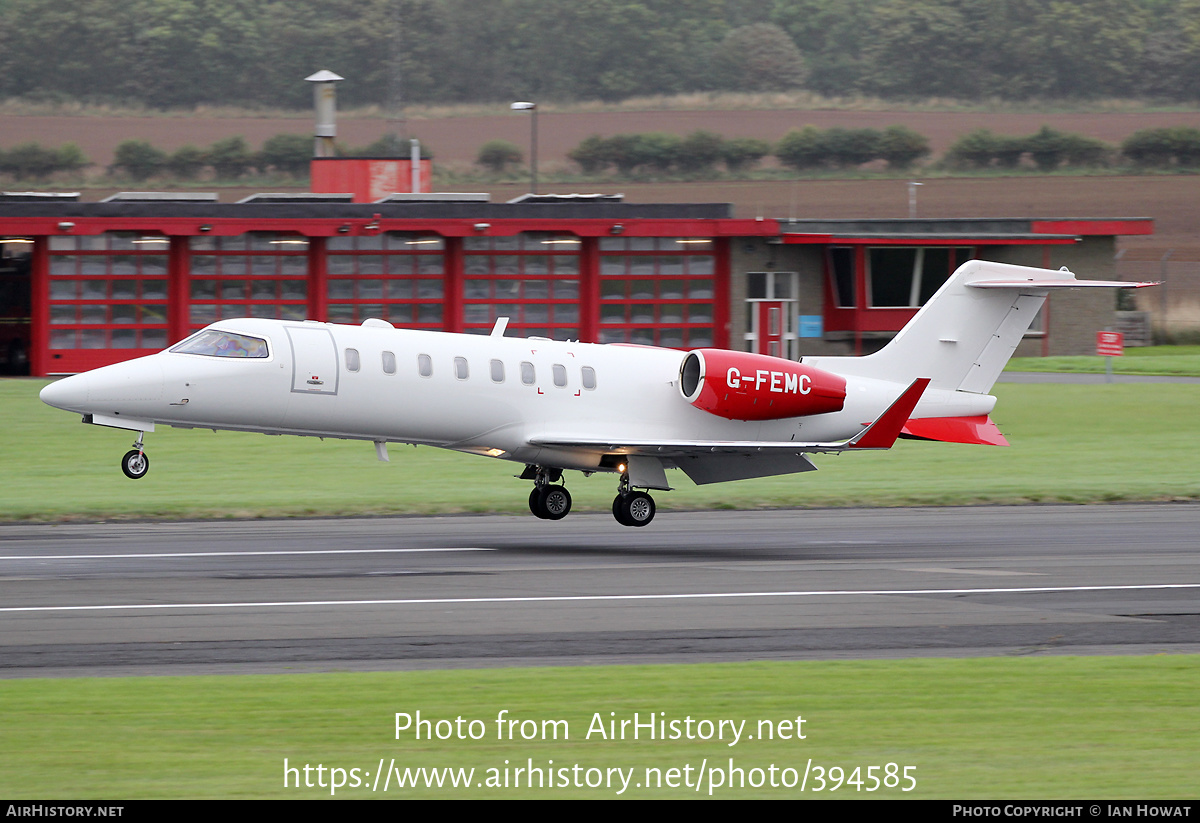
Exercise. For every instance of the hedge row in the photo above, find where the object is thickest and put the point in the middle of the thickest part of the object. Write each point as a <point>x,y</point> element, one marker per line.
<point>230,158</point>
<point>697,153</point>
<point>900,147</point>
<point>31,161</point>
<point>811,148</point>
<point>1047,148</point>
<point>701,151</point>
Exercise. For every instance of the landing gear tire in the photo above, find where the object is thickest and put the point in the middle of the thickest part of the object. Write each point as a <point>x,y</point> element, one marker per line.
<point>634,509</point>
<point>135,464</point>
<point>616,510</point>
<point>535,505</point>
<point>554,502</point>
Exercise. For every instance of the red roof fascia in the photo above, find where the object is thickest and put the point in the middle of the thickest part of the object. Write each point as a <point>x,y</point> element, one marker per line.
<point>883,240</point>
<point>331,227</point>
<point>1087,227</point>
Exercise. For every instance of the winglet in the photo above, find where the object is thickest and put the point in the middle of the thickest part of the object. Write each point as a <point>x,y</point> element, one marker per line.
<point>883,432</point>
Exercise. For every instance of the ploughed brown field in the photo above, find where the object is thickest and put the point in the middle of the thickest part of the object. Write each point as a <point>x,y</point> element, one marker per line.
<point>1172,200</point>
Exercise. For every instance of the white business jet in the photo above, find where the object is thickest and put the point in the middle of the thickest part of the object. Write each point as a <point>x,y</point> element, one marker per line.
<point>633,411</point>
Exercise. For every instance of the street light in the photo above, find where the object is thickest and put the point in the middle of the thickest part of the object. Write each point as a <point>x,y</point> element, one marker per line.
<point>912,198</point>
<point>522,105</point>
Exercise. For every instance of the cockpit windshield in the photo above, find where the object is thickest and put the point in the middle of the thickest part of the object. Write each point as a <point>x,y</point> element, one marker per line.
<point>214,343</point>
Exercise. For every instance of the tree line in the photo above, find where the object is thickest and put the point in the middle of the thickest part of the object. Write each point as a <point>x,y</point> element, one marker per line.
<point>186,53</point>
<point>698,155</point>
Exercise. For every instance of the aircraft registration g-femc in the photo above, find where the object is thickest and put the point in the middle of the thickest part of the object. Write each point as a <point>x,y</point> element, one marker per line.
<point>632,411</point>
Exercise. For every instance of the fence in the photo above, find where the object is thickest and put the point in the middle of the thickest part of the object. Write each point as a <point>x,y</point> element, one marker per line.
<point>1174,306</point>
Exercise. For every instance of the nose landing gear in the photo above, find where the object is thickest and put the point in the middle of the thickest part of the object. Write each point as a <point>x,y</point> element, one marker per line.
<point>135,463</point>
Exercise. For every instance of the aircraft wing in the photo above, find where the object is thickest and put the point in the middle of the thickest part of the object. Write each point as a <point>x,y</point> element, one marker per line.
<point>714,461</point>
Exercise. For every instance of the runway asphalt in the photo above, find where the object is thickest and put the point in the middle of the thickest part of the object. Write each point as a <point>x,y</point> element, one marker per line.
<point>441,592</point>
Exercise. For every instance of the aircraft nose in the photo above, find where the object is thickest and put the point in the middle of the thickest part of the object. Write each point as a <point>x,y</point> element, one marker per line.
<point>70,393</point>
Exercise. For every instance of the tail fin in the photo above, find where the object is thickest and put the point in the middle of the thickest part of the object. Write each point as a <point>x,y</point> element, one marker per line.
<point>964,336</point>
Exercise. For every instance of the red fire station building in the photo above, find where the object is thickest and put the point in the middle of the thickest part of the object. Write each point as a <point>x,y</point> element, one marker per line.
<point>87,284</point>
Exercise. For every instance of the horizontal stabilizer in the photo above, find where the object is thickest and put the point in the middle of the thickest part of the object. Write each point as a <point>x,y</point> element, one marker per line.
<point>883,432</point>
<point>976,430</point>
<point>1060,284</point>
<point>964,335</point>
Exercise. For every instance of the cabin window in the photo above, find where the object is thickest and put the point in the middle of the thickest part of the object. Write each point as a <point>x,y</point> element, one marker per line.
<point>460,368</point>
<point>389,362</point>
<point>528,375</point>
<point>353,361</point>
<point>589,377</point>
<point>215,343</point>
<point>560,374</point>
<point>425,365</point>
<point>497,371</point>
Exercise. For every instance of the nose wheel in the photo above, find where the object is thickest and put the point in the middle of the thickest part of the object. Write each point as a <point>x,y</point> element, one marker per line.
<point>135,463</point>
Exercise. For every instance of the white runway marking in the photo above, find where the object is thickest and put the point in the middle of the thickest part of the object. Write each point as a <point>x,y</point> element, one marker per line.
<point>594,598</point>
<point>984,572</point>
<point>230,554</point>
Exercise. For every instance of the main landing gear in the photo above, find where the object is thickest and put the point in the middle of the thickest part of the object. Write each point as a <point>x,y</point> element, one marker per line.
<point>550,500</point>
<point>135,463</point>
<point>632,508</point>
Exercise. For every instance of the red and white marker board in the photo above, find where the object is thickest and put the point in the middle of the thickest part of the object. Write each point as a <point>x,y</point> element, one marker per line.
<point>1110,343</point>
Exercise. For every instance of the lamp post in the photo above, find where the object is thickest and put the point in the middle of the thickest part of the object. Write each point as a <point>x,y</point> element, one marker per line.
<point>533,166</point>
<point>912,198</point>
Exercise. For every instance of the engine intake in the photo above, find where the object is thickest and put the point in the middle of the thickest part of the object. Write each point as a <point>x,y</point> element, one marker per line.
<point>744,386</point>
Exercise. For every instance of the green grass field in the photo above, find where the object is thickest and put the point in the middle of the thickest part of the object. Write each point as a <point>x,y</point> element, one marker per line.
<point>1069,444</point>
<point>1053,728</point>
<point>1169,360</point>
<point>1033,728</point>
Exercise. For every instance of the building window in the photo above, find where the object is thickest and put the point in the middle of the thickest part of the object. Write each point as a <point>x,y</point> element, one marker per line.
<point>531,278</point>
<point>841,275</point>
<point>257,274</point>
<point>906,276</point>
<point>108,291</point>
<point>395,276</point>
<point>657,291</point>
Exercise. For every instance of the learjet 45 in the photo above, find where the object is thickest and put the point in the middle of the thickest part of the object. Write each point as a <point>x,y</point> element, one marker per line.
<point>632,411</point>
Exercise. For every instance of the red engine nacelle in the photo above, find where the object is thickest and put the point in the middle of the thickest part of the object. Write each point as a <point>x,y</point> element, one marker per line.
<point>743,386</point>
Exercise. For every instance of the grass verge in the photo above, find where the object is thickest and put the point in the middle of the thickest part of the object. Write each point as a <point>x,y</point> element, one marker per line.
<point>1179,361</point>
<point>1071,444</point>
<point>1047,728</point>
